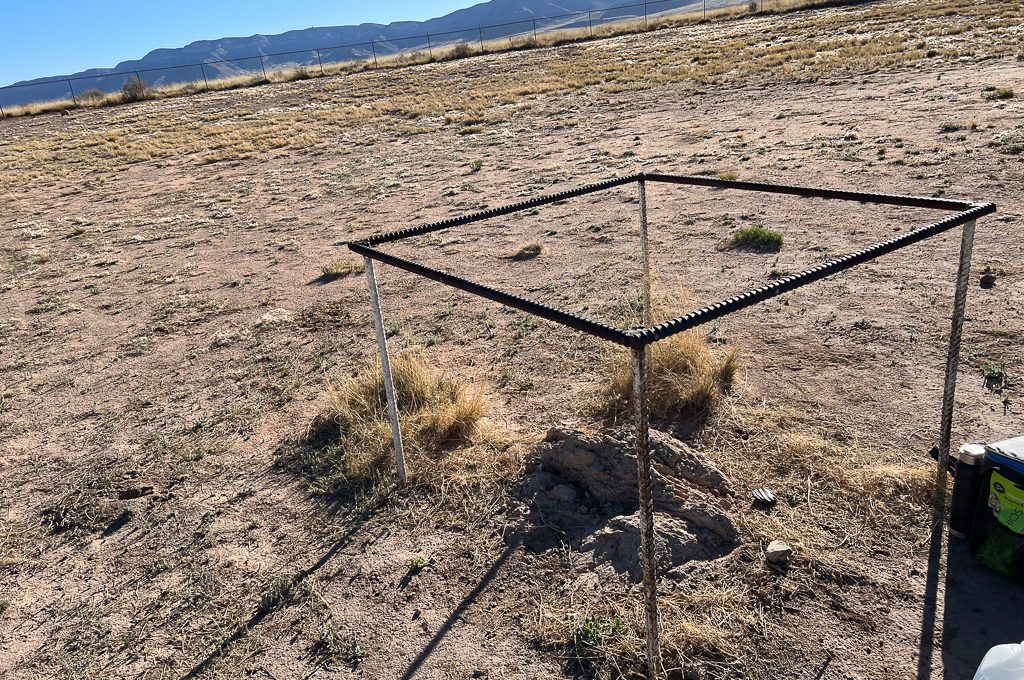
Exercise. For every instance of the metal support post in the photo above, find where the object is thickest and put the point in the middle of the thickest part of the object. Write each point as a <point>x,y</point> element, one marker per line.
<point>481,39</point>
<point>207,82</point>
<point>590,20</point>
<point>373,48</point>
<point>644,474</point>
<point>430,50</point>
<point>645,255</point>
<point>534,30</point>
<point>320,61</point>
<point>264,67</point>
<point>73,97</point>
<point>385,367</point>
<point>952,360</point>
<point>705,9</point>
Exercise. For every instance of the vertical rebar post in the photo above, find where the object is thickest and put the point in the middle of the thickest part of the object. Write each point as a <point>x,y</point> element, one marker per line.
<point>74,99</point>
<point>205,80</point>
<point>645,255</point>
<point>430,50</point>
<point>264,67</point>
<point>481,39</point>
<point>644,474</point>
<point>952,361</point>
<point>385,367</point>
<point>373,48</point>
<point>534,30</point>
<point>705,9</point>
<point>320,61</point>
<point>590,20</point>
<point>2,114</point>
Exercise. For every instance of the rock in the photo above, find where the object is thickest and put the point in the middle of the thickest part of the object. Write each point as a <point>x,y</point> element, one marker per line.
<point>618,543</point>
<point>688,464</point>
<point>778,552</point>
<point>764,497</point>
<point>988,280</point>
<point>605,468</point>
<point>583,490</point>
<point>131,494</point>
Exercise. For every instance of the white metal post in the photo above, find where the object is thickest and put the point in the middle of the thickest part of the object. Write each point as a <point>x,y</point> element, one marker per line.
<point>385,367</point>
<point>645,254</point>
<point>952,360</point>
<point>644,474</point>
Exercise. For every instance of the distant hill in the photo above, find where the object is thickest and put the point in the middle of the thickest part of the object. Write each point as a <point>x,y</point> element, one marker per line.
<point>504,17</point>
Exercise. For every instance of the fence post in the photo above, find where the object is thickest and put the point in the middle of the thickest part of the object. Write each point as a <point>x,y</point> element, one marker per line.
<point>202,67</point>
<point>2,114</point>
<point>373,49</point>
<point>534,30</point>
<point>645,15</point>
<point>705,9</point>
<point>952,361</point>
<point>481,38</point>
<point>645,256</point>
<point>590,20</point>
<point>385,368</point>
<point>644,471</point>
<point>73,97</point>
<point>430,50</point>
<point>264,67</point>
<point>320,61</point>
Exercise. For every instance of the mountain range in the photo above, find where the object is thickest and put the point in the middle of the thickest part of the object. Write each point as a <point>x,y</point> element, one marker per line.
<point>233,56</point>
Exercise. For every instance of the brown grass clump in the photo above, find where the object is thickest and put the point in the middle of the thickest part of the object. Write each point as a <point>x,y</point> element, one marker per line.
<point>686,377</point>
<point>338,269</point>
<point>606,638</point>
<point>350,441</point>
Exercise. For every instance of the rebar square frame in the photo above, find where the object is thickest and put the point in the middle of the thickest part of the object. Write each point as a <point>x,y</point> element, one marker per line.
<point>964,214</point>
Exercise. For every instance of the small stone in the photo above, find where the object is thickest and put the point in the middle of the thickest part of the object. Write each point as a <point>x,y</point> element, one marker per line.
<point>988,280</point>
<point>563,492</point>
<point>131,494</point>
<point>778,552</point>
<point>764,496</point>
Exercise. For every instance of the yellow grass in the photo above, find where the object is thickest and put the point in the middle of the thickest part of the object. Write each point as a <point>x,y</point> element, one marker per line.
<point>351,439</point>
<point>548,38</point>
<point>686,377</point>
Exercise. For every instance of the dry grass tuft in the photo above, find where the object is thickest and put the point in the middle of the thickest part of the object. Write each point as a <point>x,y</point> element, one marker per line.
<point>757,238</point>
<point>527,252</point>
<point>687,378</point>
<point>702,620</point>
<point>338,269</point>
<point>82,507</point>
<point>350,441</point>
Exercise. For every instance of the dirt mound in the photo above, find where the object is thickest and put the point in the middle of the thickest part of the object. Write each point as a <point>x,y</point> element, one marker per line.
<point>583,490</point>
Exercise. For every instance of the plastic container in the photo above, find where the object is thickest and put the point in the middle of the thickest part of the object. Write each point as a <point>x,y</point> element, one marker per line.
<point>997,534</point>
<point>1004,662</point>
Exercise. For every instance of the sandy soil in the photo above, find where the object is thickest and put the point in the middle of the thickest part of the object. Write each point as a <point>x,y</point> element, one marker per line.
<point>164,324</point>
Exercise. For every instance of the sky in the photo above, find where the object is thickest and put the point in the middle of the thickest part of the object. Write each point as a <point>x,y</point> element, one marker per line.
<point>44,38</point>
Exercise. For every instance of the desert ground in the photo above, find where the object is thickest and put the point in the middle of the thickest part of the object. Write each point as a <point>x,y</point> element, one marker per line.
<point>168,335</point>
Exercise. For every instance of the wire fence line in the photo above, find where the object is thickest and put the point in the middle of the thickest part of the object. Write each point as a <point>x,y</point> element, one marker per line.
<point>76,88</point>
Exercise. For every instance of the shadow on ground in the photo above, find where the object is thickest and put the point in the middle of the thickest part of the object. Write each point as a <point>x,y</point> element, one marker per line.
<point>980,609</point>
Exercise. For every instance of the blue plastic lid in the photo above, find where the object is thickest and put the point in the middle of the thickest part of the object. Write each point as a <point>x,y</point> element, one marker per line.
<point>1008,453</point>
